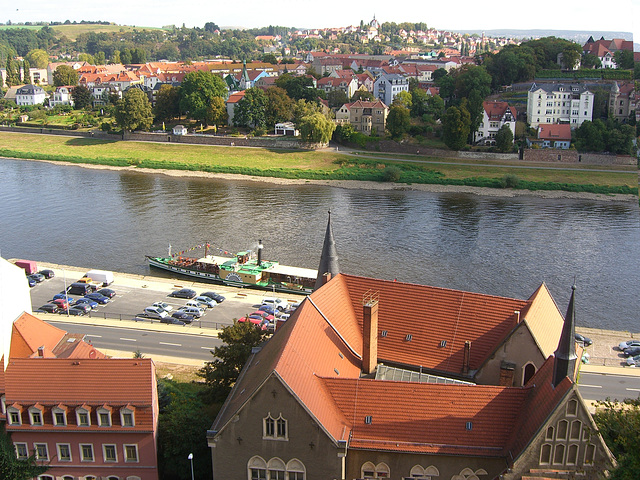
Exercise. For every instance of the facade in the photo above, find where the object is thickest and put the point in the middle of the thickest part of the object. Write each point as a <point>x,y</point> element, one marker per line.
<point>232,101</point>
<point>286,128</point>
<point>366,117</point>
<point>349,389</point>
<point>622,101</point>
<point>559,103</point>
<point>553,135</point>
<point>387,86</point>
<point>30,95</point>
<point>495,114</point>
<point>62,96</point>
<point>605,49</point>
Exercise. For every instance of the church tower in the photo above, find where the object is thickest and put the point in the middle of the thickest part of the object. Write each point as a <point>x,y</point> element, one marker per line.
<point>565,354</point>
<point>329,256</point>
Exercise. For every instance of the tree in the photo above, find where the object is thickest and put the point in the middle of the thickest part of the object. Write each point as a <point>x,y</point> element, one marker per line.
<point>12,73</point>
<point>221,373</point>
<point>211,27</point>
<point>298,87</point>
<point>197,91</point>
<point>26,68</point>
<point>504,139</point>
<point>250,110</point>
<point>589,60</point>
<point>279,106</point>
<point>133,111</point>
<point>167,103</point>
<point>624,59</point>
<point>362,94</point>
<point>571,56</point>
<point>403,99</point>
<point>337,98</point>
<point>82,97</point>
<point>217,112</point>
<point>456,127</point>
<point>316,128</point>
<point>636,71</point>
<point>65,75</point>
<point>38,58</point>
<point>270,58</point>
<point>11,468</point>
<point>435,106</point>
<point>619,425</point>
<point>398,121</point>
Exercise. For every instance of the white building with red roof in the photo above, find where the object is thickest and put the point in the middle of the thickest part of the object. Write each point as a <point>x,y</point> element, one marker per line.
<point>553,135</point>
<point>495,115</point>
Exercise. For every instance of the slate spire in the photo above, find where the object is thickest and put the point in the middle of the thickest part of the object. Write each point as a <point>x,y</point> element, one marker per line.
<point>329,256</point>
<point>565,354</point>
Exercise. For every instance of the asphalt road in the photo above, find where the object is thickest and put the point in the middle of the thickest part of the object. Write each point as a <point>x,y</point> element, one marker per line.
<point>598,386</point>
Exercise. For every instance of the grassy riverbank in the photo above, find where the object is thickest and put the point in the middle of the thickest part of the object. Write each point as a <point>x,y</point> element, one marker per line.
<point>319,165</point>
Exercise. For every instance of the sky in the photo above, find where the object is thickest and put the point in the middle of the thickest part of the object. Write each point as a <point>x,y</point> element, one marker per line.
<point>463,15</point>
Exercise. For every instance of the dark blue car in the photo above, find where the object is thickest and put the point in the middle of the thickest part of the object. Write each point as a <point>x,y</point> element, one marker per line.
<point>101,299</point>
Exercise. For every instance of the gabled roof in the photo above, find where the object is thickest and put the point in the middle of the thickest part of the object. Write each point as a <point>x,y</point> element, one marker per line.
<point>495,110</point>
<point>236,97</point>
<point>554,131</point>
<point>367,104</point>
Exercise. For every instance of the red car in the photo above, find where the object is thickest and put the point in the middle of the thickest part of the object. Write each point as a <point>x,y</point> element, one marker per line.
<point>61,303</point>
<point>262,314</point>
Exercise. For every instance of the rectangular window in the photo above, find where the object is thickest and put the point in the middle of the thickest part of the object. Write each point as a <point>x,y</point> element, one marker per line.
<point>64,452</point>
<point>83,419</point>
<point>60,418</point>
<point>296,475</point>
<point>127,419</point>
<point>42,452</point>
<point>36,418</point>
<point>86,450</point>
<point>130,453</point>
<point>14,418</point>
<point>105,419</point>
<point>258,474</point>
<point>109,452</point>
<point>276,475</point>
<point>21,450</point>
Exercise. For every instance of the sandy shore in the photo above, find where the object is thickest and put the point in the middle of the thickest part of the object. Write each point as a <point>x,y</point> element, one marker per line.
<point>366,185</point>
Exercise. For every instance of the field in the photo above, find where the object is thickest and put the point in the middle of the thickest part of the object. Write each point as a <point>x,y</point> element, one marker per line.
<point>326,164</point>
<point>72,31</point>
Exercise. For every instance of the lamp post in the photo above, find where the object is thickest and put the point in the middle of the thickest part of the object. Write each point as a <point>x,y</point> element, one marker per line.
<point>190,457</point>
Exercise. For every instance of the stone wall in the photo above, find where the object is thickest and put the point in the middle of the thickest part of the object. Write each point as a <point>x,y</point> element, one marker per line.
<point>573,156</point>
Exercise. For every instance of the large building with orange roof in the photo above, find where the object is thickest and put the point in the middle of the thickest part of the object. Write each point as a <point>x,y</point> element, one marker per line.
<point>379,379</point>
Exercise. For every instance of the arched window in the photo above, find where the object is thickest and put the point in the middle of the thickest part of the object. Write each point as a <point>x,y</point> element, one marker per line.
<point>572,454</point>
<point>274,428</point>
<point>382,471</point>
<point>549,435</point>
<point>590,454</point>
<point>133,477</point>
<point>545,454</point>
<point>576,428</point>
<point>572,408</point>
<point>558,454</point>
<point>417,472</point>
<point>68,477</point>
<point>368,470</point>
<point>276,469</point>
<point>432,471</point>
<point>563,426</point>
<point>113,478</point>
<point>528,372</point>
<point>296,470</point>
<point>257,468</point>
<point>45,477</point>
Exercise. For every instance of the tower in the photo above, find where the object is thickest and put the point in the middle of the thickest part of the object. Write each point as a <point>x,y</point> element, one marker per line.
<point>329,256</point>
<point>565,354</point>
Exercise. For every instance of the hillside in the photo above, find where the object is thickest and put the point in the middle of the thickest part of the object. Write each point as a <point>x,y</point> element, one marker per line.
<point>72,31</point>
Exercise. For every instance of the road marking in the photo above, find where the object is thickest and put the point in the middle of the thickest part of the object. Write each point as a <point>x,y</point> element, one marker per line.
<point>95,336</point>
<point>633,389</point>
<point>128,339</point>
<point>207,348</point>
<point>171,344</point>
<point>590,386</point>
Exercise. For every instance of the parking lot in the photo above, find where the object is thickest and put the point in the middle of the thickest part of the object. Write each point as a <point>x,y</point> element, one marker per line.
<point>134,293</point>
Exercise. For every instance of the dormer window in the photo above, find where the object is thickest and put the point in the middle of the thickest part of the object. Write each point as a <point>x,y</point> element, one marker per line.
<point>14,414</point>
<point>274,428</point>
<point>104,416</point>
<point>59,415</point>
<point>83,417</point>
<point>35,416</point>
<point>127,418</point>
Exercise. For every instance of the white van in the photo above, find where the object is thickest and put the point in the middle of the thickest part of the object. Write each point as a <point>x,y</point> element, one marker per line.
<point>277,303</point>
<point>100,276</point>
<point>155,312</point>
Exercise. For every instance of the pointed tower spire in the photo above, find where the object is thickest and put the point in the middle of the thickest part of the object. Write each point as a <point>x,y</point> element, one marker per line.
<point>329,256</point>
<point>565,354</point>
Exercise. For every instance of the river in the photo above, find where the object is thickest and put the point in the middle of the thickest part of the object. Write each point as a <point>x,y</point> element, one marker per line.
<point>503,246</point>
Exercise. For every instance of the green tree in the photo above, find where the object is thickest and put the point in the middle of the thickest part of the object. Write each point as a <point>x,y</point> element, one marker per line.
<point>26,68</point>
<point>251,109</point>
<point>217,112</point>
<point>619,425</point>
<point>221,373</point>
<point>270,58</point>
<point>65,75</point>
<point>12,73</point>
<point>125,56</point>
<point>636,71</point>
<point>298,87</point>
<point>590,136</point>
<point>403,99</point>
<point>571,56</point>
<point>590,61</point>
<point>167,103</point>
<point>398,121</point>
<point>82,97</point>
<point>418,102</point>
<point>38,58</point>
<point>624,59</point>
<point>362,94</point>
<point>504,139</point>
<point>337,98</point>
<point>100,58</point>
<point>13,469</point>
<point>279,106</point>
<point>456,127</point>
<point>316,128</point>
<point>197,91</point>
<point>133,111</point>
<point>435,106</point>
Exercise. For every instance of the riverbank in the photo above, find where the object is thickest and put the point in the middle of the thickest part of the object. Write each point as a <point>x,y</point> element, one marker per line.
<point>365,185</point>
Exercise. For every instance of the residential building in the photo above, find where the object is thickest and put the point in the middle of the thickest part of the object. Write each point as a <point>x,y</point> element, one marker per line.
<point>30,95</point>
<point>387,86</point>
<point>570,103</point>
<point>346,85</point>
<point>605,49</point>
<point>342,114</point>
<point>367,117</point>
<point>495,114</point>
<point>287,129</point>
<point>460,385</point>
<point>622,101</point>
<point>62,96</point>
<point>552,135</point>
<point>232,101</point>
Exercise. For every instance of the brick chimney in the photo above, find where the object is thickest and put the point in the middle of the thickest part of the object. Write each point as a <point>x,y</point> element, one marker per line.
<point>369,333</point>
<point>507,371</point>
<point>467,357</point>
<point>41,351</point>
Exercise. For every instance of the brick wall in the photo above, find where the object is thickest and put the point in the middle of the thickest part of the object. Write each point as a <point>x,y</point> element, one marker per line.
<point>573,156</point>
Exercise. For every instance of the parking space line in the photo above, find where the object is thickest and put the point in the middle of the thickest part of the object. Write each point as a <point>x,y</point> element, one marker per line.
<point>171,344</point>
<point>633,389</point>
<point>128,339</point>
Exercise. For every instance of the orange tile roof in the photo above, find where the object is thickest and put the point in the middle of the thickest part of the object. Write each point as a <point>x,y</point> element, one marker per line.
<point>236,97</point>
<point>554,131</point>
<point>496,110</point>
<point>29,333</point>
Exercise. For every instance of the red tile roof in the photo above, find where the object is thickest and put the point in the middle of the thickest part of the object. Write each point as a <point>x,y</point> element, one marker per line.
<point>554,131</point>
<point>496,110</point>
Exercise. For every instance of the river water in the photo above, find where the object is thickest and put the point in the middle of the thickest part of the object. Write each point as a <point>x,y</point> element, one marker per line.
<point>110,220</point>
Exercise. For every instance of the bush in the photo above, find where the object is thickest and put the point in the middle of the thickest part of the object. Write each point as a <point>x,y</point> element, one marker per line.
<point>509,181</point>
<point>260,132</point>
<point>105,127</point>
<point>392,174</point>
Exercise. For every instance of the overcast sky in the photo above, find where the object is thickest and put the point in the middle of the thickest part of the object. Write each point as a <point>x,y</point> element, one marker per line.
<point>462,14</point>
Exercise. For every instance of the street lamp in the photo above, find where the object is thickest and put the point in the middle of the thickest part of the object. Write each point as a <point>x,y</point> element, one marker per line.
<point>190,457</point>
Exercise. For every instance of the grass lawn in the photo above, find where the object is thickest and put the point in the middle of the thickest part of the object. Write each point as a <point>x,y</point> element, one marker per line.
<point>200,157</point>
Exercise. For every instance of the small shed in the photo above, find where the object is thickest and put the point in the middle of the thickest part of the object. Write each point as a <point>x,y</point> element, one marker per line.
<point>287,129</point>
<point>179,130</point>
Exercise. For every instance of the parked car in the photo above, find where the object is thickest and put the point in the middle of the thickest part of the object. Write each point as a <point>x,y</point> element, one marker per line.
<point>32,283</point>
<point>107,292</point>
<point>85,307</point>
<point>48,308</point>
<point>267,308</point>
<point>213,296</point>
<point>172,321</point>
<point>631,351</point>
<point>254,320</point>
<point>196,304</point>
<point>63,296</point>
<point>277,303</point>
<point>633,361</point>
<point>87,301</point>
<point>61,303</point>
<point>195,311</point>
<point>47,273</point>
<point>98,297</point>
<point>164,306</point>
<point>37,277</point>
<point>183,293</point>
<point>629,343</point>
<point>262,314</point>
<point>182,316</point>
<point>205,301</point>
<point>586,341</point>
<point>75,311</point>
<point>155,312</point>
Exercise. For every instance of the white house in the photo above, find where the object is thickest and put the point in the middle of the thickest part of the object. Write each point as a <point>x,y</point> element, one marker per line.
<point>62,96</point>
<point>287,129</point>
<point>179,130</point>
<point>30,95</point>
<point>495,114</point>
<point>387,86</point>
<point>570,103</point>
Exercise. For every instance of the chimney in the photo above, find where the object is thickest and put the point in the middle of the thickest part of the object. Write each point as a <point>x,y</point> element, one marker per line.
<point>326,277</point>
<point>517,314</point>
<point>260,246</point>
<point>369,332</point>
<point>507,371</point>
<point>41,351</point>
<point>466,358</point>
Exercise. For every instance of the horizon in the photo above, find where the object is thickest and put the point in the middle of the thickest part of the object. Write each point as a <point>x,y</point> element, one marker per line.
<point>254,14</point>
